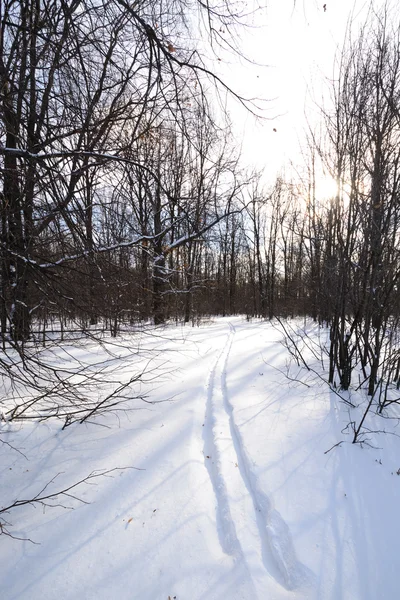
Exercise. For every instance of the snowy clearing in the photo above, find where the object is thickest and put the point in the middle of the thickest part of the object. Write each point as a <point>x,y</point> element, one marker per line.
<point>231,496</point>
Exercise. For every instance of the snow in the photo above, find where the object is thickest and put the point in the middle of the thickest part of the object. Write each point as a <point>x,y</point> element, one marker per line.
<point>232,494</point>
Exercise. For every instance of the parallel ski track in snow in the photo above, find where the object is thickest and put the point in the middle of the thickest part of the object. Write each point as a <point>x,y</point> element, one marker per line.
<point>225,525</point>
<point>254,533</point>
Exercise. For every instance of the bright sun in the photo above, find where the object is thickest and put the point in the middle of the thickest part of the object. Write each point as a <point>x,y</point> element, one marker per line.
<point>325,187</point>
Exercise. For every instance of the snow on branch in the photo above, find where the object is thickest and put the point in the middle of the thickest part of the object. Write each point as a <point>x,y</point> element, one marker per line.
<point>128,244</point>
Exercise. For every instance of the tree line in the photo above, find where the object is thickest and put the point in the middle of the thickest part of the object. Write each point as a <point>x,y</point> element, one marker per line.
<point>124,201</point>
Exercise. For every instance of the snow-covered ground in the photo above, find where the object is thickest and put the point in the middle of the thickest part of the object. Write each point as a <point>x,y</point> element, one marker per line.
<point>231,495</point>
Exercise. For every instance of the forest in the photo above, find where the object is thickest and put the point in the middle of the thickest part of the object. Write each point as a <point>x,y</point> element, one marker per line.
<point>126,204</point>
<point>124,201</point>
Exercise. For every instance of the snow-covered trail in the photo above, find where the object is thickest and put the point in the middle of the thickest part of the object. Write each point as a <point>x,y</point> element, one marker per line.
<point>249,528</point>
<point>235,516</point>
<point>236,499</point>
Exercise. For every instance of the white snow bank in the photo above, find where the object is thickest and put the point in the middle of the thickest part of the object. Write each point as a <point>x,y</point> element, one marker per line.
<point>235,499</point>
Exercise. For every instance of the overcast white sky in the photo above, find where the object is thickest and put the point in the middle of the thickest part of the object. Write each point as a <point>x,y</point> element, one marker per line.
<point>298,41</point>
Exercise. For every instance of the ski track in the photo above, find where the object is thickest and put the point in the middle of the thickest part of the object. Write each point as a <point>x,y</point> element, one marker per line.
<point>225,524</point>
<point>262,542</point>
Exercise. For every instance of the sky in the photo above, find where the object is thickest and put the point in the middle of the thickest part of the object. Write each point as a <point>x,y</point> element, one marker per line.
<point>295,43</point>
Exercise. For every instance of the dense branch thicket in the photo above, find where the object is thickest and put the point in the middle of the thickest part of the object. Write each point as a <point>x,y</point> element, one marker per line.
<point>348,246</point>
<point>107,143</point>
<point>362,244</point>
<point>112,168</point>
<point>122,201</point>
